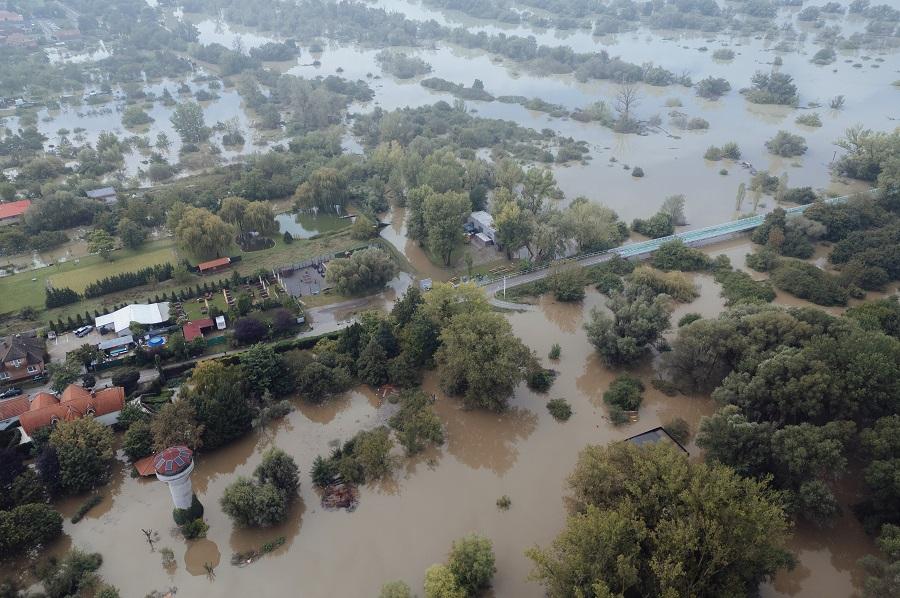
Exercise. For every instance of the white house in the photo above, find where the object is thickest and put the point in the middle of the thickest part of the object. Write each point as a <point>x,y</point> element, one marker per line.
<point>146,314</point>
<point>484,223</point>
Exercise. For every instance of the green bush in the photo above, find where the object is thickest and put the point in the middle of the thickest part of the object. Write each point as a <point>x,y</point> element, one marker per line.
<point>195,529</point>
<point>555,351</point>
<point>688,318</point>
<point>559,409</point>
<point>625,392</point>
<point>86,506</point>
<point>808,282</point>
<point>192,513</point>
<point>540,379</point>
<point>675,255</point>
<point>739,287</point>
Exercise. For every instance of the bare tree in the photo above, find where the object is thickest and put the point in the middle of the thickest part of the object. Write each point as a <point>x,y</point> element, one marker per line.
<point>627,99</point>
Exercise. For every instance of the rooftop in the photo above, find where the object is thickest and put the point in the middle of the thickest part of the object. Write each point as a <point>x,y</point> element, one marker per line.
<point>115,342</point>
<point>100,193</point>
<point>22,347</point>
<point>10,408</point>
<point>195,329</point>
<point>13,209</point>
<point>653,436</point>
<point>173,460</point>
<point>153,313</point>
<point>76,402</point>
<point>216,263</point>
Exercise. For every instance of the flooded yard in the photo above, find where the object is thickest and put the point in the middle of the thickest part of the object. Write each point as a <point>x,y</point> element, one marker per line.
<point>405,523</point>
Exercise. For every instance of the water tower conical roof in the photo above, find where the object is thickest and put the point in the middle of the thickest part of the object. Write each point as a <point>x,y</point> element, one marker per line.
<point>173,460</point>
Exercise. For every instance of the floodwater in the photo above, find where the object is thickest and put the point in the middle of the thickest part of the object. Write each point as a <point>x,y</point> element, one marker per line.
<point>305,226</point>
<point>408,521</point>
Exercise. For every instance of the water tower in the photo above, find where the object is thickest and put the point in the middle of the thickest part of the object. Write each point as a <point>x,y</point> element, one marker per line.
<point>174,466</point>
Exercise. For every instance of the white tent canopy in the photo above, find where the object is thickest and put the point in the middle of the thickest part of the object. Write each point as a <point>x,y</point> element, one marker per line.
<point>146,314</point>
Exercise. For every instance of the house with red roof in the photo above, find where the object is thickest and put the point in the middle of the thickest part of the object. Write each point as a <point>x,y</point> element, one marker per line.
<point>11,212</point>
<point>75,402</point>
<point>213,265</point>
<point>11,409</point>
<point>21,358</point>
<point>196,328</point>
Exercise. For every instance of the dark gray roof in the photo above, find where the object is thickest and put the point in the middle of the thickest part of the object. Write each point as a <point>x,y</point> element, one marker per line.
<point>112,343</point>
<point>22,347</point>
<point>100,193</point>
<point>653,436</point>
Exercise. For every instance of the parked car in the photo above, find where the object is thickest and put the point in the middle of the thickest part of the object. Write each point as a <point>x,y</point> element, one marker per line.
<point>83,331</point>
<point>10,392</point>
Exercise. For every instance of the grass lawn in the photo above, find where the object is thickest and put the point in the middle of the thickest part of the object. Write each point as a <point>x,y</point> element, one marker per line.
<point>192,308</point>
<point>93,267</point>
<point>19,291</point>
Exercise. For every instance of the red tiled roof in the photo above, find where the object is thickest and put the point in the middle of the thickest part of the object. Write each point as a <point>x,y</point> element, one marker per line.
<point>14,208</point>
<point>43,399</point>
<point>194,329</point>
<point>222,261</point>
<point>75,404</point>
<point>172,460</point>
<point>14,407</point>
<point>145,466</point>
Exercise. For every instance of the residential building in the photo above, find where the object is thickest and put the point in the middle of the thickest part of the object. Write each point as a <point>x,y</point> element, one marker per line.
<point>196,328</point>
<point>653,436</point>
<point>107,195</point>
<point>12,211</point>
<point>484,223</point>
<point>11,409</point>
<point>75,402</point>
<point>146,315</point>
<point>21,358</point>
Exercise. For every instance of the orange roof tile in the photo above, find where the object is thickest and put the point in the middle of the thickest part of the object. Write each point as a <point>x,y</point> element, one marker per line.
<point>76,405</point>
<point>43,399</point>
<point>222,261</point>
<point>14,208</point>
<point>145,466</point>
<point>14,407</point>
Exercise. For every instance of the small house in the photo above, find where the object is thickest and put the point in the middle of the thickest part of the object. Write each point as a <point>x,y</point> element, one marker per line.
<point>107,195</point>
<point>481,240</point>
<point>484,223</point>
<point>214,265</point>
<point>195,329</point>
<point>12,212</point>
<point>116,347</point>
<point>654,436</point>
<point>21,358</point>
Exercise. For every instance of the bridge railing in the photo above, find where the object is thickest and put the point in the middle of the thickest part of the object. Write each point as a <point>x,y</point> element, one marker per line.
<point>694,235</point>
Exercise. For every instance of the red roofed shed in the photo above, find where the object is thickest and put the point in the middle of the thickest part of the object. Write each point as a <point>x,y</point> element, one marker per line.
<point>11,211</point>
<point>195,329</point>
<point>213,265</point>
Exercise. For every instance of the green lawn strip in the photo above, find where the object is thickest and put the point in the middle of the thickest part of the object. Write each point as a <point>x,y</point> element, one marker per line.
<point>19,291</point>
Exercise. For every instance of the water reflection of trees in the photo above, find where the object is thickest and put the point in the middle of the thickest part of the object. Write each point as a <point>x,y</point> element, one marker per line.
<point>482,439</point>
<point>325,412</point>
<point>200,553</point>
<point>223,461</point>
<point>252,538</point>
<point>566,316</point>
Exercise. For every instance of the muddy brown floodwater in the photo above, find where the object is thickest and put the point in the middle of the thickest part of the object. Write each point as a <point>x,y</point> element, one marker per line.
<point>407,522</point>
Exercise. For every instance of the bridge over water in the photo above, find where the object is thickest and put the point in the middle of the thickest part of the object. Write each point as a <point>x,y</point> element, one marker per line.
<point>696,238</point>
